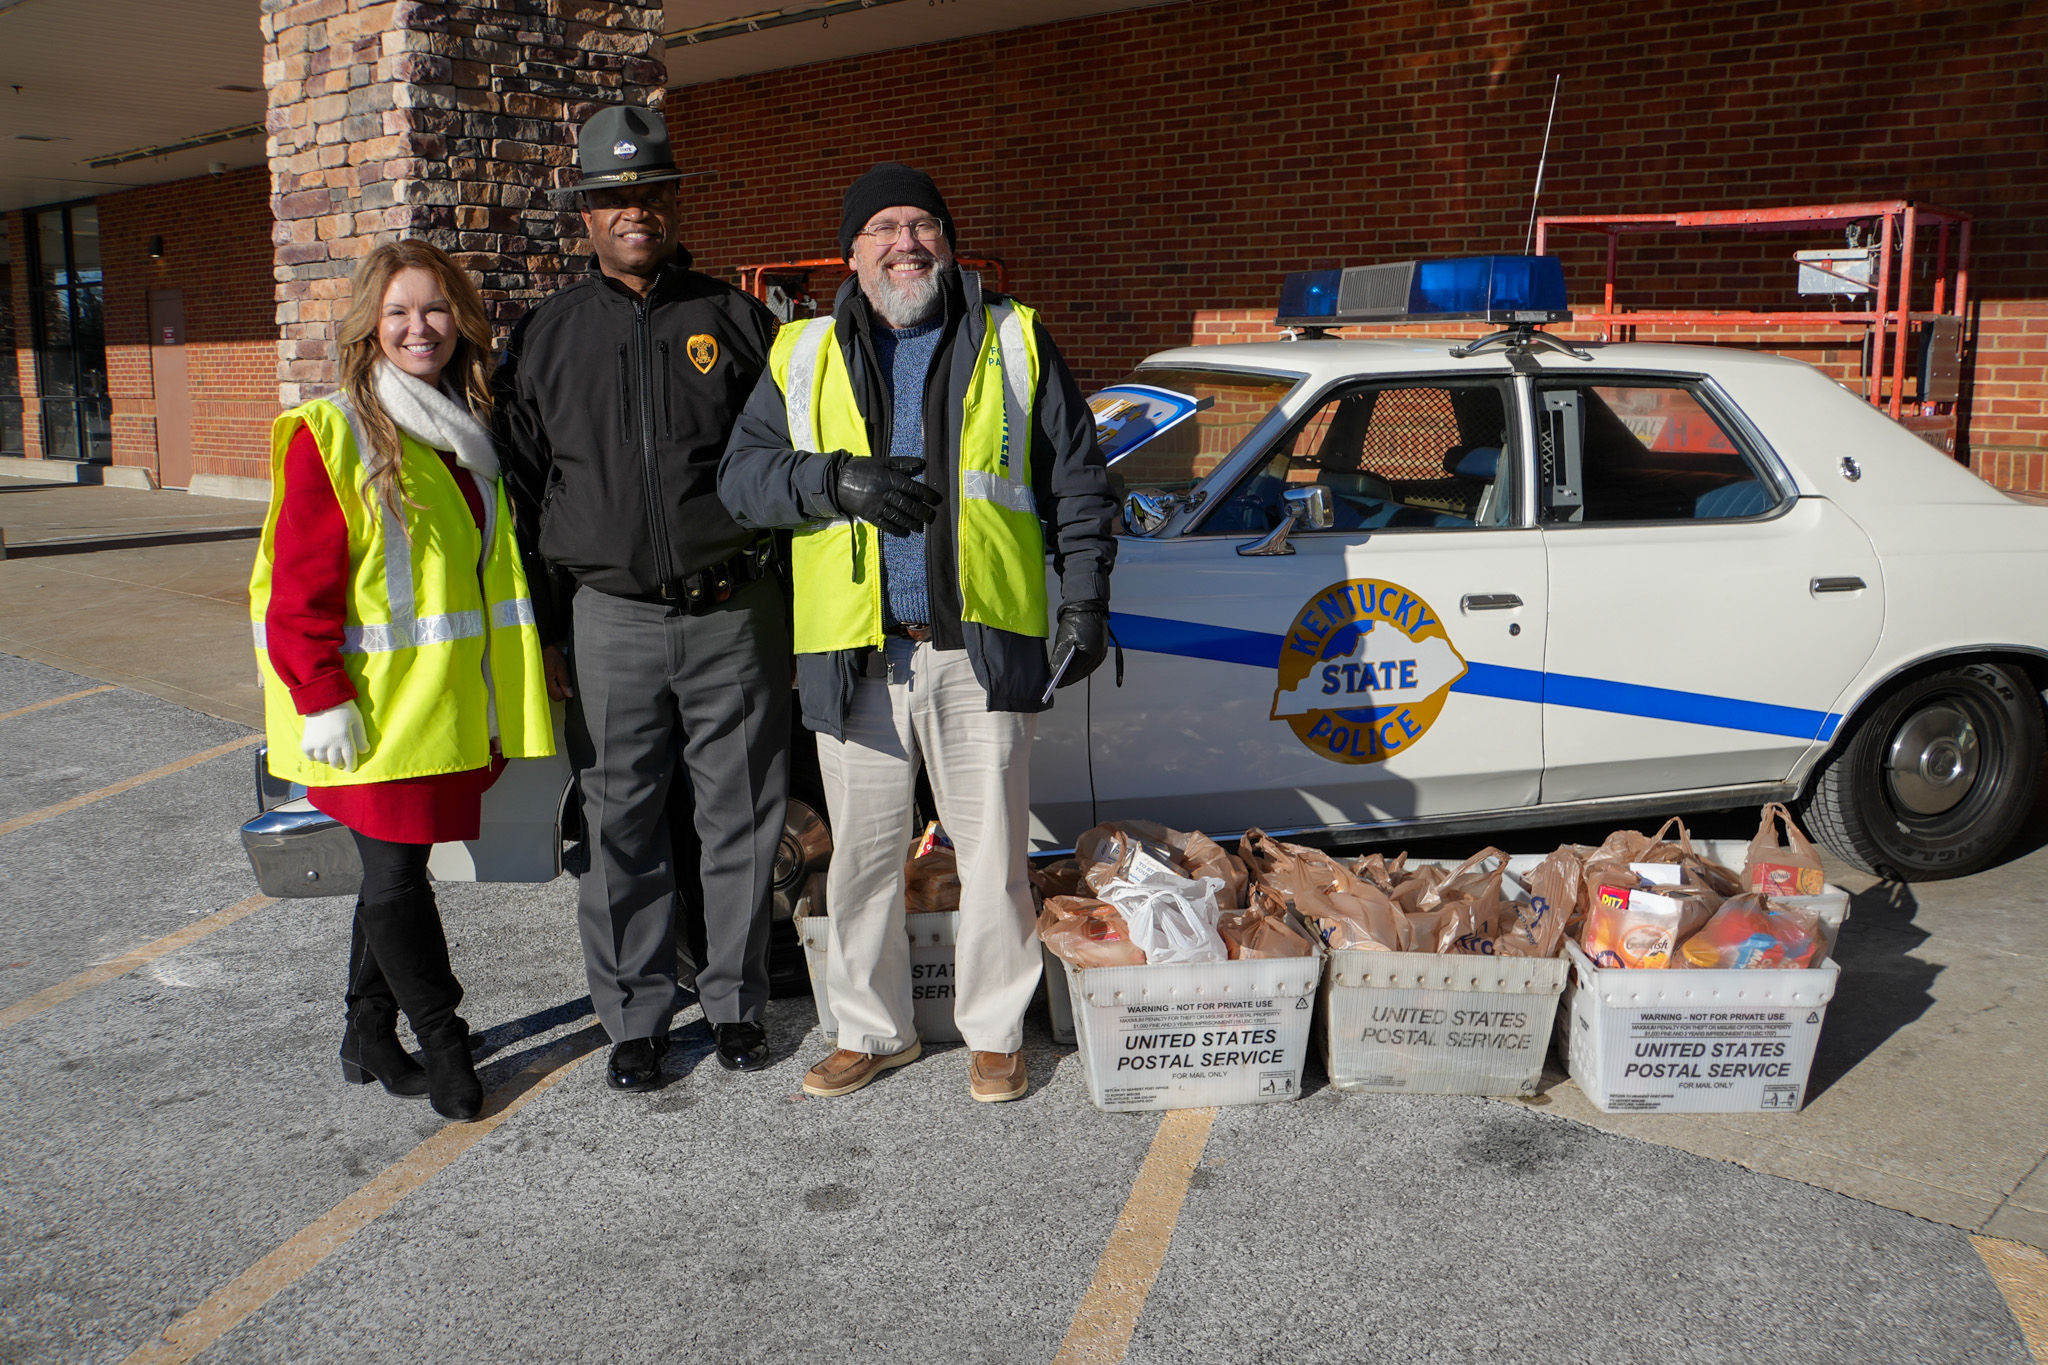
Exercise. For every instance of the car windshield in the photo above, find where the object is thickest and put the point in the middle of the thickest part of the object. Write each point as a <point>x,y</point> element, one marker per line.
<point>1168,429</point>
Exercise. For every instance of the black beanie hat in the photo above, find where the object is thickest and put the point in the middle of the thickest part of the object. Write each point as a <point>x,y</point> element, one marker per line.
<point>886,186</point>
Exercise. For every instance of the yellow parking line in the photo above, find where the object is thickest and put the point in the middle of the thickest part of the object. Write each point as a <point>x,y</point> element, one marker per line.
<point>56,701</point>
<point>2022,1275</point>
<point>1102,1327</point>
<point>125,784</point>
<point>271,1276</point>
<point>128,962</point>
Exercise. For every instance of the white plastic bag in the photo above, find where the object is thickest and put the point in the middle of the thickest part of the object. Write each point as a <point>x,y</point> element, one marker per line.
<point>1173,919</point>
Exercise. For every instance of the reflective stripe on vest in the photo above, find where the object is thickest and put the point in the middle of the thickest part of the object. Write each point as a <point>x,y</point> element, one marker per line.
<point>1000,541</point>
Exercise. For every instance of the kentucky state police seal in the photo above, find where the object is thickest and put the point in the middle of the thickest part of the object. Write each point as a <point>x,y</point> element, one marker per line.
<point>1364,671</point>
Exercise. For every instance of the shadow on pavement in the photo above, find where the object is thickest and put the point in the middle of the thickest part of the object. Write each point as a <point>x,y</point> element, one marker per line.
<point>1882,988</point>
<point>498,1037</point>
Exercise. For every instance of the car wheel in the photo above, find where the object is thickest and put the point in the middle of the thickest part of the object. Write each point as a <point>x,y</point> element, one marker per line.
<point>1934,780</point>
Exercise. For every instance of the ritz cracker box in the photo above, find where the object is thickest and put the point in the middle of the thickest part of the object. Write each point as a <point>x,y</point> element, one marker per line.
<point>1191,1035</point>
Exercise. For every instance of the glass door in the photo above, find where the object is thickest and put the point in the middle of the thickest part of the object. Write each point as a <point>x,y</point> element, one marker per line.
<point>68,313</point>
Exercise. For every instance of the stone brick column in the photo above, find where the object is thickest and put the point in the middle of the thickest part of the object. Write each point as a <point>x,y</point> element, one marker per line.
<point>434,119</point>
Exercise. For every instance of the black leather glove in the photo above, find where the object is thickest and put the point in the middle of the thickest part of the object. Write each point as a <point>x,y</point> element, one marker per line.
<point>1084,629</point>
<point>884,491</point>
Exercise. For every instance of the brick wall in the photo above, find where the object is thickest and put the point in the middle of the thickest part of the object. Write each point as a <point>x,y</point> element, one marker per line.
<point>1134,170</point>
<point>442,119</point>
<point>216,251</point>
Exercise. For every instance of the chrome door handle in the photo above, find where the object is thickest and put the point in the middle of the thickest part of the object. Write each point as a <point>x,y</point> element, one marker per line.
<point>1821,585</point>
<point>1489,601</point>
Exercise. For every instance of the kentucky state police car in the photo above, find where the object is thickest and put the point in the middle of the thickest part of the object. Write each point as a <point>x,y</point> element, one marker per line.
<point>1375,589</point>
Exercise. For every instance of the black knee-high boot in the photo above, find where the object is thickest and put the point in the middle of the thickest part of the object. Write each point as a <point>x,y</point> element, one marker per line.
<point>404,934</point>
<point>370,1050</point>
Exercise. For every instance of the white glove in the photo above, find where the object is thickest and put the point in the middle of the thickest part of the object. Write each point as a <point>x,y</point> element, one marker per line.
<point>335,737</point>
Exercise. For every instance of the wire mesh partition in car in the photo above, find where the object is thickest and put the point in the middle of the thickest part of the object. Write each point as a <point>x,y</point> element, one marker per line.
<point>1393,457</point>
<point>1649,451</point>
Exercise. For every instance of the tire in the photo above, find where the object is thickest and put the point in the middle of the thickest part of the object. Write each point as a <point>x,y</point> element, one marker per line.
<point>1936,778</point>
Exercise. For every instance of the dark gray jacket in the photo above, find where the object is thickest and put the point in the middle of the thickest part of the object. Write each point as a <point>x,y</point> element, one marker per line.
<point>767,484</point>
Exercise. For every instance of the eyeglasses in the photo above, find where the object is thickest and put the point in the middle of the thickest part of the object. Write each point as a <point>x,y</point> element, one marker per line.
<point>926,230</point>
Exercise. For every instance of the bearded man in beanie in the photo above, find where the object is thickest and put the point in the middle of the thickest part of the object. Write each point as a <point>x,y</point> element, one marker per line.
<point>928,446</point>
<point>615,398</point>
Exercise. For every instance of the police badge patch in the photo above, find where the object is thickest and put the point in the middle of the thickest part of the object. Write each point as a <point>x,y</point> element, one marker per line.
<point>703,352</point>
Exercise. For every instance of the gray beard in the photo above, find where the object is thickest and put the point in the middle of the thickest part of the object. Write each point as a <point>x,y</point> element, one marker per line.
<point>904,304</point>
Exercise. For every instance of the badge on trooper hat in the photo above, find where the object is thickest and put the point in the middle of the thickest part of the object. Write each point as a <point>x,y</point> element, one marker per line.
<point>623,144</point>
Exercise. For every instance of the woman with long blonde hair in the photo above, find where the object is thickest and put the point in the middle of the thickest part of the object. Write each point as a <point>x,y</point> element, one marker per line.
<point>395,636</point>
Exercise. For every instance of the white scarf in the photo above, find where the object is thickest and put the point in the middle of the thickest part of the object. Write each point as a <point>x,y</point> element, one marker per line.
<point>434,419</point>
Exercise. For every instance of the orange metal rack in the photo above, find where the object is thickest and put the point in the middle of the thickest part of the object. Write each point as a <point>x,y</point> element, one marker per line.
<point>1889,321</point>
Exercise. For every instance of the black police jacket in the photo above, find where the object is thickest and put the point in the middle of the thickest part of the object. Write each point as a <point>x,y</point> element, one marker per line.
<point>612,413</point>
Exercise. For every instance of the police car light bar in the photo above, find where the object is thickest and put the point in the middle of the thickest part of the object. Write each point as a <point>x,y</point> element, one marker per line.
<point>1499,289</point>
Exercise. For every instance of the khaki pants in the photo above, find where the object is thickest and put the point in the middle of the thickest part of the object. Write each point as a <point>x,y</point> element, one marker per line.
<point>929,709</point>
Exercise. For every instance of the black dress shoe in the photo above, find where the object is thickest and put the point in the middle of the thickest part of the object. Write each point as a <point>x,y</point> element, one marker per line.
<point>741,1047</point>
<point>379,1056</point>
<point>636,1064</point>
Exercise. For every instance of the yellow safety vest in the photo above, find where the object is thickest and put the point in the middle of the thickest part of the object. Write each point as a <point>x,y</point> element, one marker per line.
<point>836,565</point>
<point>439,639</point>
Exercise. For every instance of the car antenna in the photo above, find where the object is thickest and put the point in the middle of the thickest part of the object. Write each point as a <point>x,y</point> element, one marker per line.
<point>1557,86</point>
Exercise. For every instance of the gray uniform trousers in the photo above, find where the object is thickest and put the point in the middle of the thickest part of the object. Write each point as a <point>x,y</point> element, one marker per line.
<point>669,697</point>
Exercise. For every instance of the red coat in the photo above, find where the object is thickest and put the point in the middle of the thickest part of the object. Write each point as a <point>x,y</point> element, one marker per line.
<point>302,630</point>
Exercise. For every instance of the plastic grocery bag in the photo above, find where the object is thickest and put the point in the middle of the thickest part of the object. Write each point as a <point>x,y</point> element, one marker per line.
<point>1139,851</point>
<point>1536,927</point>
<point>1060,878</point>
<point>1753,930</point>
<point>1262,931</point>
<point>1347,912</point>
<point>1173,919</point>
<point>1461,912</point>
<point>1377,870</point>
<point>1791,868</point>
<point>1087,933</point>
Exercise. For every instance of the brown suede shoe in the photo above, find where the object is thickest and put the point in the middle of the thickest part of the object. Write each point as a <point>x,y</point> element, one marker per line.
<point>997,1076</point>
<point>845,1072</point>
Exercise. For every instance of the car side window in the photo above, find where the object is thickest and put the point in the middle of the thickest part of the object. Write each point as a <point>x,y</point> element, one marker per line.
<point>1394,456</point>
<point>1642,449</point>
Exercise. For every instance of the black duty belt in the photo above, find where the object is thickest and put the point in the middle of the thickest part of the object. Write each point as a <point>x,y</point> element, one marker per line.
<point>699,592</point>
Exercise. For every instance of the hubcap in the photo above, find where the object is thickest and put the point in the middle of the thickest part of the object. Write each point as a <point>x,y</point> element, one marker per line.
<point>1933,760</point>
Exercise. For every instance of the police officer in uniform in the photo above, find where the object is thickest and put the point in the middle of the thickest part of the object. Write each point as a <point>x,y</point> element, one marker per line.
<point>616,395</point>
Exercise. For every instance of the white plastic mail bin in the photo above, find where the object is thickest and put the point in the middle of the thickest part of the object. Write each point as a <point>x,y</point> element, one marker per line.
<point>1685,1041</point>
<point>932,936</point>
<point>1438,1024</point>
<point>1182,1037</point>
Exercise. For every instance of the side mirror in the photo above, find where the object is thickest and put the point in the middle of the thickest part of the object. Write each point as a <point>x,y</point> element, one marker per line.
<point>1148,509</point>
<point>1307,506</point>
<point>1310,505</point>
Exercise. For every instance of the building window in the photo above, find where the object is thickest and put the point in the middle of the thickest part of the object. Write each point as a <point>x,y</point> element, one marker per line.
<point>68,318</point>
<point>10,372</point>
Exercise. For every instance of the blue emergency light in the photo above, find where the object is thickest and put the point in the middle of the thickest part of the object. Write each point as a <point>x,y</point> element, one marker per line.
<point>1499,289</point>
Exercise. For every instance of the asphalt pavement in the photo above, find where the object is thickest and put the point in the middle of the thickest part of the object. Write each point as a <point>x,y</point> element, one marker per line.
<point>180,1153</point>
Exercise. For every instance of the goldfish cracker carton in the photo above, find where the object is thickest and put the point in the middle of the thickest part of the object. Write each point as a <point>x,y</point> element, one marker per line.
<point>1632,927</point>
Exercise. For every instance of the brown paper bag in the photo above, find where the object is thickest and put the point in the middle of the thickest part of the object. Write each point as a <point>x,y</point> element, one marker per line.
<point>1792,868</point>
<point>931,883</point>
<point>1087,933</point>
